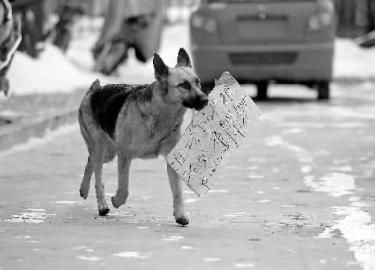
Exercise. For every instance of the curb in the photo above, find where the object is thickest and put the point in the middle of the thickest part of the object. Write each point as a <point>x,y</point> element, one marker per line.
<point>13,135</point>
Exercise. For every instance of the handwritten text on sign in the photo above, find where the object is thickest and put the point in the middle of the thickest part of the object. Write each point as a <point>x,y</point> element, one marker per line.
<point>215,130</point>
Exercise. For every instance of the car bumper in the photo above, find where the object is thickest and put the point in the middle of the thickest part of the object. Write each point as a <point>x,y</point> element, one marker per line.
<point>281,63</point>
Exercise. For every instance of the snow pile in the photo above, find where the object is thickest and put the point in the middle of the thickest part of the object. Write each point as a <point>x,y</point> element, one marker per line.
<point>352,61</point>
<point>51,72</point>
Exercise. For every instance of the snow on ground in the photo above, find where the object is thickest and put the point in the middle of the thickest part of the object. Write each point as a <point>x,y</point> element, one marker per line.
<point>352,61</point>
<point>55,72</point>
<point>51,72</point>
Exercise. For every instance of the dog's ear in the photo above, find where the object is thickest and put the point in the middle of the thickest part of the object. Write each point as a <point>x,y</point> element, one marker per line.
<point>161,69</point>
<point>183,59</point>
<point>95,85</point>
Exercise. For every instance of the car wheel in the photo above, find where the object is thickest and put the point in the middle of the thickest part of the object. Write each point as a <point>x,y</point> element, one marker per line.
<point>262,90</point>
<point>323,91</point>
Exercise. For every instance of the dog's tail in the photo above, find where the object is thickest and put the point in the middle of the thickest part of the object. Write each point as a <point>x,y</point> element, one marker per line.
<point>82,122</point>
<point>94,86</point>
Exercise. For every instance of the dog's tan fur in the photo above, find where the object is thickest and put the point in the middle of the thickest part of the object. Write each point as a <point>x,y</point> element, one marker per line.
<point>148,125</point>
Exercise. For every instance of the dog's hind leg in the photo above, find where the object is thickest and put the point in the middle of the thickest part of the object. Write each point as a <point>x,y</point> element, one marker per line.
<point>85,184</point>
<point>97,163</point>
<point>123,181</point>
<point>178,203</point>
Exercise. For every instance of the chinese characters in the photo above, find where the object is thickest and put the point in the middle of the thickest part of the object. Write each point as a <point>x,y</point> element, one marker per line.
<point>218,128</point>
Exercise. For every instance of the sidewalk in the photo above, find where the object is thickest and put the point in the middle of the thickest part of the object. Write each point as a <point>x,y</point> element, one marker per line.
<point>299,190</point>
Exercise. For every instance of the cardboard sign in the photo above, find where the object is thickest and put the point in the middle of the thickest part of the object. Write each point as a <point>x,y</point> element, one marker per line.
<point>218,128</point>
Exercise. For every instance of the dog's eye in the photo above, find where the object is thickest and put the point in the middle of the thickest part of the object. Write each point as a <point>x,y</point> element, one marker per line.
<point>185,85</point>
<point>197,81</point>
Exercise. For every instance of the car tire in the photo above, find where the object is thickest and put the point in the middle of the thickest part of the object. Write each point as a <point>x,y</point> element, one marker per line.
<point>323,90</point>
<point>262,90</point>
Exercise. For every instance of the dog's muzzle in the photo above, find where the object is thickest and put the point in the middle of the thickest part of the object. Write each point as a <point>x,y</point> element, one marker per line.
<point>197,103</point>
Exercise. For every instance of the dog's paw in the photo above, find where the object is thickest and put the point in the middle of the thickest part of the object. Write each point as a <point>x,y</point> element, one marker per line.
<point>84,194</point>
<point>117,202</point>
<point>182,220</point>
<point>103,211</point>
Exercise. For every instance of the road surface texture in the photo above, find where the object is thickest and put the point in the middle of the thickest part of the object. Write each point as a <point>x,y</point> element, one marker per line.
<point>298,194</point>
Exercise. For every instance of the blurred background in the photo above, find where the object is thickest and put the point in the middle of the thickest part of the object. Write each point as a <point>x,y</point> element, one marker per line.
<point>93,36</point>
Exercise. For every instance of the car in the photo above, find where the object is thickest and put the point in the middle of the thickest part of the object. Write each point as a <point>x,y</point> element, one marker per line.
<point>264,41</point>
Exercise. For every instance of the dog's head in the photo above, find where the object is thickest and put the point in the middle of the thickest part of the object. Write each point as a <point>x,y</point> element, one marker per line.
<point>180,84</point>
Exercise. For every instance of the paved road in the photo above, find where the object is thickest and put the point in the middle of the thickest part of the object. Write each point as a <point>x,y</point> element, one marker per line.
<point>299,195</point>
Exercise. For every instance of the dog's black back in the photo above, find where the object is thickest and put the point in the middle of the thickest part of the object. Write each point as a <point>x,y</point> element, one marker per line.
<point>107,101</point>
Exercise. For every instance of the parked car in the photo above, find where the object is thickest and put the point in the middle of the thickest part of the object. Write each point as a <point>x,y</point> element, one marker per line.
<point>263,41</point>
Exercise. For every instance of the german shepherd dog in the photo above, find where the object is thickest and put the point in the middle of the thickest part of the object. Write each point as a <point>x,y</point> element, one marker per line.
<point>138,121</point>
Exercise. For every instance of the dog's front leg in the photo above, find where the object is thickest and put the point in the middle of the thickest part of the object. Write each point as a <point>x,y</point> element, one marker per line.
<point>123,180</point>
<point>178,203</point>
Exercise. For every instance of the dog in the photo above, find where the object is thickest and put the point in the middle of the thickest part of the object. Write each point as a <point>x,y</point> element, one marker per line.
<point>138,121</point>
